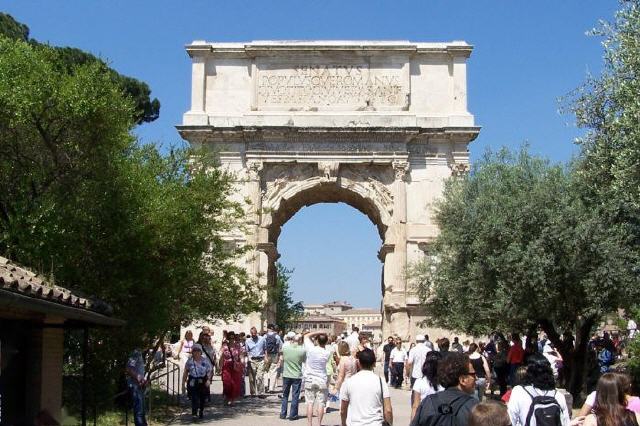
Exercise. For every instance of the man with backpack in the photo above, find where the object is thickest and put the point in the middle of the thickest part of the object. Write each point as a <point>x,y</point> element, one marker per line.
<point>452,406</point>
<point>272,349</point>
<point>536,402</point>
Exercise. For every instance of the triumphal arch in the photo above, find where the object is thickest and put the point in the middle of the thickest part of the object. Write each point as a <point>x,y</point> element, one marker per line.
<point>377,125</point>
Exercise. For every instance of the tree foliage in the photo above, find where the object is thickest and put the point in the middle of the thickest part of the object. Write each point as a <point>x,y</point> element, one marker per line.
<point>287,311</point>
<point>519,248</point>
<point>608,106</point>
<point>85,204</point>
<point>13,29</point>
<point>145,109</point>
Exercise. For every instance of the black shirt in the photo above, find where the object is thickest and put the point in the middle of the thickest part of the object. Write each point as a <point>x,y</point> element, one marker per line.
<point>460,402</point>
<point>387,351</point>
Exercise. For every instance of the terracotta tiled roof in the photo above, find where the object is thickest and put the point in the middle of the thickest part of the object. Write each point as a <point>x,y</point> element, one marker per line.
<point>19,280</point>
<point>360,311</point>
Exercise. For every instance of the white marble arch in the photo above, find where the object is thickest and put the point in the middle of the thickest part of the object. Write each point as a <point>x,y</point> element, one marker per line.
<point>377,125</point>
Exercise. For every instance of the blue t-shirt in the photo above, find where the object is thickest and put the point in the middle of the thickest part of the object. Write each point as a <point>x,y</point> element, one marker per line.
<point>198,369</point>
<point>255,348</point>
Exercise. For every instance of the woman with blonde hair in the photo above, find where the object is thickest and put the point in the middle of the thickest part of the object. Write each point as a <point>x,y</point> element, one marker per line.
<point>347,366</point>
<point>184,348</point>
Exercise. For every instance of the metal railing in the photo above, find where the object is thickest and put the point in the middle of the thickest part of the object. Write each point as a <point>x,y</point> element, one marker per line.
<point>164,377</point>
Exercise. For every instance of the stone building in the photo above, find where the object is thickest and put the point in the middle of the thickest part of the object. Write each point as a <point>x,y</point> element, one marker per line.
<point>33,317</point>
<point>359,317</point>
<point>330,308</point>
<point>325,323</point>
<point>379,125</point>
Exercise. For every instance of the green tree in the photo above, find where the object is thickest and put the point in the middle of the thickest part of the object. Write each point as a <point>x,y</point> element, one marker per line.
<point>145,109</point>
<point>84,203</point>
<point>608,106</point>
<point>519,249</point>
<point>287,311</point>
<point>13,29</point>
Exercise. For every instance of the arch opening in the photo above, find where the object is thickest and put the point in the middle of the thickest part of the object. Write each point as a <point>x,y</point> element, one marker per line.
<point>326,192</point>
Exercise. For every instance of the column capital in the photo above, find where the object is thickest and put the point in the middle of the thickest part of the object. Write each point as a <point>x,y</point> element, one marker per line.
<point>254,167</point>
<point>400,169</point>
<point>270,250</point>
<point>459,169</point>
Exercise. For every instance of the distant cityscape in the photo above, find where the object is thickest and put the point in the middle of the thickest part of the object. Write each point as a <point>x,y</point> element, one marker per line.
<point>338,317</point>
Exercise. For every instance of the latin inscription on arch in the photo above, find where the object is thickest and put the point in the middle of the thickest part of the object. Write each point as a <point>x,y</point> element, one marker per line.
<point>355,86</point>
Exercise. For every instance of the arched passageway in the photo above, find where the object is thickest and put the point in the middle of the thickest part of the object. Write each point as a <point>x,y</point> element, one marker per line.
<point>381,134</point>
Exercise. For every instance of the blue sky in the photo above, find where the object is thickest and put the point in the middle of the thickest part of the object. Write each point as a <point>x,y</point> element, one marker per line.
<point>527,54</point>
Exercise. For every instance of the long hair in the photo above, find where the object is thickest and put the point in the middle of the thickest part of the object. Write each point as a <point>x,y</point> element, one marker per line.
<point>539,373</point>
<point>430,367</point>
<point>610,406</point>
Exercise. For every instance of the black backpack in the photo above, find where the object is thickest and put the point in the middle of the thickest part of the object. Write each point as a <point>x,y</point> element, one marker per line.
<point>271,344</point>
<point>545,409</point>
<point>445,414</point>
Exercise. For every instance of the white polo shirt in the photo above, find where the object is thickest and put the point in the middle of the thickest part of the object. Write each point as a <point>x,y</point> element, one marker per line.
<point>362,391</point>
<point>398,355</point>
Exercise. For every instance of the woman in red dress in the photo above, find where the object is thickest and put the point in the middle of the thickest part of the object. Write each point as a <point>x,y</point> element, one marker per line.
<point>232,357</point>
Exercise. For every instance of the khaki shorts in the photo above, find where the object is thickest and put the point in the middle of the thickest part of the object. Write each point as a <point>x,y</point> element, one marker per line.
<point>314,392</point>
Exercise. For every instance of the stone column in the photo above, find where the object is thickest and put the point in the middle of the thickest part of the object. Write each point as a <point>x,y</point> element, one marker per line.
<point>459,85</point>
<point>198,84</point>
<point>254,209</point>
<point>268,255</point>
<point>396,315</point>
<point>400,169</point>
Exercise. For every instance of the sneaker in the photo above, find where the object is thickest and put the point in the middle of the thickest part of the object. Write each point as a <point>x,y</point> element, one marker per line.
<point>283,416</point>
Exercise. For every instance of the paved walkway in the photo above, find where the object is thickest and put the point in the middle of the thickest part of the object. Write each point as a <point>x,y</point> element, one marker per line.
<point>265,412</point>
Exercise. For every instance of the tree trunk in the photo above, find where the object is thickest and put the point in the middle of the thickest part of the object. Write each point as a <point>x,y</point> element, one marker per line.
<point>578,371</point>
<point>573,360</point>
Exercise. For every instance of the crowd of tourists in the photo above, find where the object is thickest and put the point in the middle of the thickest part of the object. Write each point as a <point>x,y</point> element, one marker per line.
<point>508,380</point>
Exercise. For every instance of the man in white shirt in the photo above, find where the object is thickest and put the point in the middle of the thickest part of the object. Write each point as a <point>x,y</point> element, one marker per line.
<point>354,339</point>
<point>315,374</point>
<point>398,358</point>
<point>365,396</point>
<point>416,358</point>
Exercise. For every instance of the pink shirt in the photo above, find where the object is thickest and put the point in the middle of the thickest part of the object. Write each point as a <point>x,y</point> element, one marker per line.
<point>633,404</point>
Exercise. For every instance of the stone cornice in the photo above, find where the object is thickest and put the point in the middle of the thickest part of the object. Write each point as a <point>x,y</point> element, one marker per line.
<point>284,133</point>
<point>353,47</point>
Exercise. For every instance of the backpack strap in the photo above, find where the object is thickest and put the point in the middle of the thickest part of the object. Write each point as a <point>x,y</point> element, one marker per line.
<point>454,404</point>
<point>531,407</point>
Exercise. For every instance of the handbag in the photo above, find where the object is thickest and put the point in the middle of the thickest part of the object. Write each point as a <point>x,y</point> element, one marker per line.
<point>384,422</point>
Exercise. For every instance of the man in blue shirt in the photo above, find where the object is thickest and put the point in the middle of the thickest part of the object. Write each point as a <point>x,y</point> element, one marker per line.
<point>255,352</point>
<point>136,382</point>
